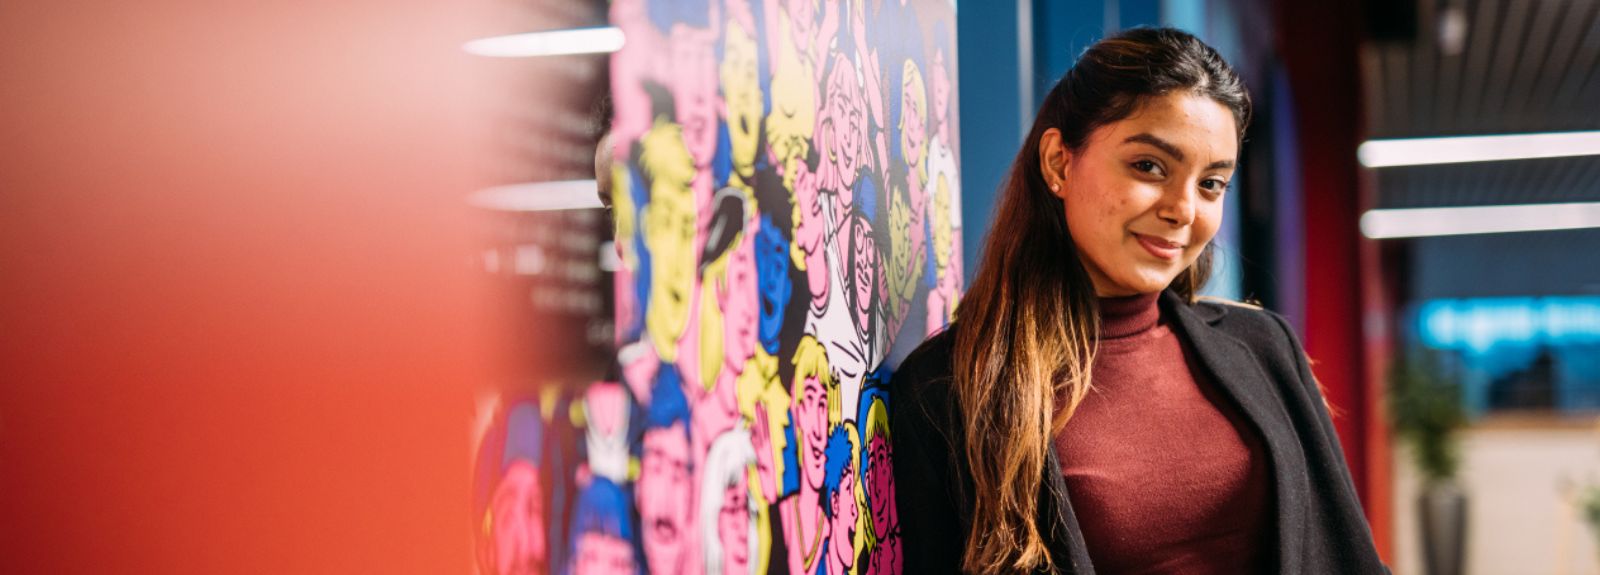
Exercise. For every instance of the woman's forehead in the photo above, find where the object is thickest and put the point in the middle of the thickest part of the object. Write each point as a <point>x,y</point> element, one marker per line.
<point>1184,125</point>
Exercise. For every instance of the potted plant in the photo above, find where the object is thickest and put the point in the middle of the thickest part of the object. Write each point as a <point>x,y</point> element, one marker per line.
<point>1426,409</point>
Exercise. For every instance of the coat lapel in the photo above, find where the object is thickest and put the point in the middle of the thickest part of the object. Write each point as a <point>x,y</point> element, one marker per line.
<point>1061,522</point>
<point>1236,370</point>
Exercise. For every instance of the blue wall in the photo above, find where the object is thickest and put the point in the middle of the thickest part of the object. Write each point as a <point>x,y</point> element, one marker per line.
<point>992,114</point>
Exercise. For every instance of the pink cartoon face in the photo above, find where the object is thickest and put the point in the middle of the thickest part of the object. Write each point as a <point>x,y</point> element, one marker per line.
<point>518,522</point>
<point>733,527</point>
<point>665,497</point>
<point>694,91</point>
<point>940,86</point>
<point>842,532</point>
<point>864,273</point>
<point>602,554</point>
<point>740,302</point>
<point>803,19</point>
<point>841,130</point>
<point>811,419</point>
<point>810,226</point>
<point>880,485</point>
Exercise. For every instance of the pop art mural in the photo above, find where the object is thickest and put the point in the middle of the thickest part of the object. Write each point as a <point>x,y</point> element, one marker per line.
<point>787,198</point>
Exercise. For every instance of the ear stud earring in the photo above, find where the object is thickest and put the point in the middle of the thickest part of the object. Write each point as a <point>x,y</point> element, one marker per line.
<point>1055,187</point>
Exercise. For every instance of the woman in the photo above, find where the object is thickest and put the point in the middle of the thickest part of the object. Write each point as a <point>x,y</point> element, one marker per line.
<point>1087,411</point>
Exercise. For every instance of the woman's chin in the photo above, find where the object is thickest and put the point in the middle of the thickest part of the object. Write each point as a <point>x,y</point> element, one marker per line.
<point>1143,282</point>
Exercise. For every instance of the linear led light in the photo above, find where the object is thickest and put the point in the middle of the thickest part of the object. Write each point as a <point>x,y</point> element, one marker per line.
<point>1419,222</point>
<point>603,40</point>
<point>539,196</point>
<point>1454,150</point>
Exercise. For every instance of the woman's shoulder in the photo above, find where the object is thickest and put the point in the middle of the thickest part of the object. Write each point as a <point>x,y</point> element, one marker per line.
<point>923,380</point>
<point>1249,322</point>
<point>929,365</point>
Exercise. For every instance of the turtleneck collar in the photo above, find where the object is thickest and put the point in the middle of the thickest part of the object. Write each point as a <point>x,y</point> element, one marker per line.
<point>1130,315</point>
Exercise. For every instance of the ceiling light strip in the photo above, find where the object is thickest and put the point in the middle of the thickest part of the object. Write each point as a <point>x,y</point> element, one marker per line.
<point>603,40</point>
<point>1423,222</point>
<point>539,196</point>
<point>1460,149</point>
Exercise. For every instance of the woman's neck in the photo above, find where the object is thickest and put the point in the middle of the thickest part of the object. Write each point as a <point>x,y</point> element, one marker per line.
<point>1129,315</point>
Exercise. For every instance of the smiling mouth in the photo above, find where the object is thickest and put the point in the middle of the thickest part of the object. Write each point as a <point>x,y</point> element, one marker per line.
<point>1160,248</point>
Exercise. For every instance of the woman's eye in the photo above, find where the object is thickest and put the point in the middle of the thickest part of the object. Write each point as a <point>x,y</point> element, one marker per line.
<point>1147,167</point>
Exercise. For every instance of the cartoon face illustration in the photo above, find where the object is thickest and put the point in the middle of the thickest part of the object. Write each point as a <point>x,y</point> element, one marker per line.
<point>841,129</point>
<point>694,90</point>
<point>811,393</point>
<point>864,272</point>
<point>802,18</point>
<point>845,520</point>
<point>811,417</point>
<point>518,521</point>
<point>664,495</point>
<point>905,256</point>
<point>772,272</point>
<point>940,88</point>
<point>741,95</point>
<point>670,225</point>
<point>664,490</point>
<point>794,110</point>
<point>728,516</point>
<point>842,502</point>
<point>739,302</point>
<point>733,527</point>
<point>810,228</point>
<point>880,483</point>
<point>603,555</point>
<point>913,119</point>
<point>602,542</point>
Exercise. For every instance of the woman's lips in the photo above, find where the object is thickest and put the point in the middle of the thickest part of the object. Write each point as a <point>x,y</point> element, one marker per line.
<point>1160,248</point>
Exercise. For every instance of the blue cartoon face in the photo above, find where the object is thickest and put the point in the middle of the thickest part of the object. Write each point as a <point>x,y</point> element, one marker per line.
<point>772,269</point>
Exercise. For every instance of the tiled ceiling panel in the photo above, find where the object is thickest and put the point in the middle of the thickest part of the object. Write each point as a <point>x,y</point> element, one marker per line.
<point>1519,66</point>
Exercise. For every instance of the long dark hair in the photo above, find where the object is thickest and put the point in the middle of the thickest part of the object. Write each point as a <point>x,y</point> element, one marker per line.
<point>1027,325</point>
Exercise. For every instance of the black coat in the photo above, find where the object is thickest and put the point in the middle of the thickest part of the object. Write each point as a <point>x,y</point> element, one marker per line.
<point>1253,356</point>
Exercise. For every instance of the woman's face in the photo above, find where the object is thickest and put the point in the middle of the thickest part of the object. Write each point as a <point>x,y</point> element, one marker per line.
<point>1144,195</point>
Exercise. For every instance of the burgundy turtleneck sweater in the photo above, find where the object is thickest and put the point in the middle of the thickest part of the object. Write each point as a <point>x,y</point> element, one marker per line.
<point>1165,475</point>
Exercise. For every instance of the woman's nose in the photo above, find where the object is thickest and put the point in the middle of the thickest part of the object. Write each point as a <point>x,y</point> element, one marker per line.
<point>1177,206</point>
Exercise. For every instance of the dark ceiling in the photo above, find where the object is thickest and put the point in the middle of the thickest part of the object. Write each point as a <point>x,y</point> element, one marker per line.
<point>1517,66</point>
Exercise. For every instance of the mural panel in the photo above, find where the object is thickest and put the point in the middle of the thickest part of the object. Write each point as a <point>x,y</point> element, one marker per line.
<point>787,222</point>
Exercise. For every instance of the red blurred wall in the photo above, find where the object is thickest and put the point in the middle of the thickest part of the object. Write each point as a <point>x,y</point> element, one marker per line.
<point>238,329</point>
<point>1346,302</point>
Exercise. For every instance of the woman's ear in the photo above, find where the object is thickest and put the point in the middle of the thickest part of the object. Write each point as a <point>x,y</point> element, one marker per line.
<point>1054,158</point>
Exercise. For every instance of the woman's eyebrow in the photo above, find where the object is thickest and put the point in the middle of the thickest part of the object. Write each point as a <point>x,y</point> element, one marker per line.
<point>1172,150</point>
<point>1148,138</point>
